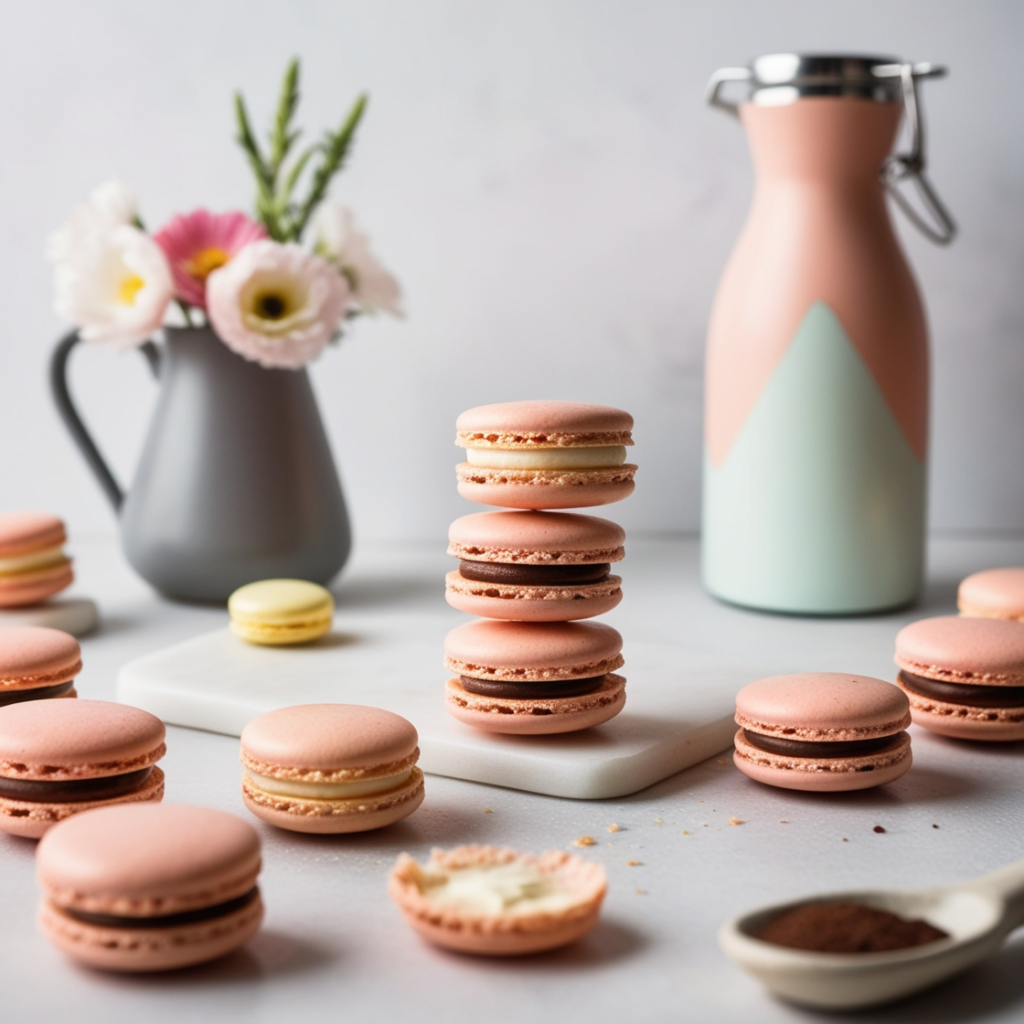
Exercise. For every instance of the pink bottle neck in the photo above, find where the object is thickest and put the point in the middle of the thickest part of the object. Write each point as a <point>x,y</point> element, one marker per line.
<point>830,141</point>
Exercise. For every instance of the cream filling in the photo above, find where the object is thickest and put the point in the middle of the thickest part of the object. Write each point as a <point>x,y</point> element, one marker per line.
<point>547,458</point>
<point>34,560</point>
<point>328,790</point>
<point>485,890</point>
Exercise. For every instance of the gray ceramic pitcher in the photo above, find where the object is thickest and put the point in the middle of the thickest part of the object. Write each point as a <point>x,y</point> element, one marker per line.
<point>236,481</point>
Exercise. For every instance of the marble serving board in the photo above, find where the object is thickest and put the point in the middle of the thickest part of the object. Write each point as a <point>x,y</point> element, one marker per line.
<point>75,615</point>
<point>676,714</point>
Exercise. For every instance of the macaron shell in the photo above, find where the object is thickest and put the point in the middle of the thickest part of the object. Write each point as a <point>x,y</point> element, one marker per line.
<point>37,657</point>
<point>541,717</point>
<point>148,859</point>
<point>822,706</point>
<point>334,817</point>
<point>150,949</point>
<point>500,935</point>
<point>536,538</point>
<point>538,489</point>
<point>53,740</point>
<point>533,651</point>
<point>963,722</point>
<point>822,775</point>
<point>22,589</point>
<point>21,533</point>
<point>276,636</point>
<point>548,424</point>
<point>32,819</point>
<point>329,743</point>
<point>993,594</point>
<point>517,602</point>
<point>955,649</point>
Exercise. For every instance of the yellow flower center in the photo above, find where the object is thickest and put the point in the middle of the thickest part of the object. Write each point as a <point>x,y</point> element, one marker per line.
<point>271,306</point>
<point>205,262</point>
<point>129,287</point>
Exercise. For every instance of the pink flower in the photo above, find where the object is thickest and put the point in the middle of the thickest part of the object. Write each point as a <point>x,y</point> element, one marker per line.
<point>200,242</point>
<point>276,305</point>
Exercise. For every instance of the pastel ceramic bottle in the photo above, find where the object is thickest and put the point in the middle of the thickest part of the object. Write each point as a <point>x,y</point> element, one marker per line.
<point>816,401</point>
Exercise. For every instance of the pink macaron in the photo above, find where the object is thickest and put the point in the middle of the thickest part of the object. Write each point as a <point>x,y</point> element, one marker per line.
<point>498,902</point>
<point>534,678</point>
<point>149,887</point>
<point>822,731</point>
<point>964,676</point>
<point>545,455</point>
<point>331,768</point>
<point>33,565</point>
<point>37,663</point>
<point>59,758</point>
<point>993,594</point>
<point>534,566</point>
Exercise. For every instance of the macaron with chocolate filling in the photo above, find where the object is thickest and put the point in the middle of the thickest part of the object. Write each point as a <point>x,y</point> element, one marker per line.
<point>964,677</point>
<point>149,887</point>
<point>534,566</point>
<point>534,678</point>
<point>33,565</point>
<point>545,455</point>
<point>822,732</point>
<point>37,663</point>
<point>993,594</point>
<point>59,758</point>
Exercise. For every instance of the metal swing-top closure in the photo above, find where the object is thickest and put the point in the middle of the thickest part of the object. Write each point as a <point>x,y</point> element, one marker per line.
<point>777,79</point>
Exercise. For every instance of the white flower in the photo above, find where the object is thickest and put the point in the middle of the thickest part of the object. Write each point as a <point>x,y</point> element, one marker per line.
<point>112,282</point>
<point>111,204</point>
<point>277,305</point>
<point>337,239</point>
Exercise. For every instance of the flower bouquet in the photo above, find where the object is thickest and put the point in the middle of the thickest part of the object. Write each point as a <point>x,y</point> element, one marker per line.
<point>236,481</point>
<point>275,287</point>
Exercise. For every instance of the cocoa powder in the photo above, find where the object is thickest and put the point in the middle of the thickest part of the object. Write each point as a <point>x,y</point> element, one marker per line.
<point>847,928</point>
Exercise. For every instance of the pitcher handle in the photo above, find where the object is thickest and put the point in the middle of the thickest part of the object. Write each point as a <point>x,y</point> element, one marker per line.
<point>69,414</point>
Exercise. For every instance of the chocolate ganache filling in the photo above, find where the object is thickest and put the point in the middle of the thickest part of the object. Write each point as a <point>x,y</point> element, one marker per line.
<point>544,690</point>
<point>167,920</point>
<point>73,791</point>
<point>534,575</point>
<point>962,693</point>
<point>40,693</point>
<point>829,748</point>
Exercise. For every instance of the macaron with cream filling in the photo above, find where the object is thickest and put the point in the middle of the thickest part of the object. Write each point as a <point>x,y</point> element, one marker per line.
<point>331,768</point>
<point>59,758</point>
<point>534,678</point>
<point>33,565</point>
<point>993,594</point>
<point>279,612</point>
<point>534,566</point>
<point>498,902</point>
<point>149,887</point>
<point>37,663</point>
<point>545,454</point>
<point>824,732</point>
<point>964,676</point>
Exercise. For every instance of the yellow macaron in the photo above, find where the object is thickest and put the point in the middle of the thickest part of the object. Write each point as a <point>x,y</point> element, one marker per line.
<point>281,611</point>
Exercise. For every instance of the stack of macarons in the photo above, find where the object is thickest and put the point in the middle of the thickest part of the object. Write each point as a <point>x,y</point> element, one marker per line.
<point>33,565</point>
<point>531,665</point>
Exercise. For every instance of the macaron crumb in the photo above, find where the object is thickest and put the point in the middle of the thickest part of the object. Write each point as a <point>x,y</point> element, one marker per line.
<point>585,841</point>
<point>878,829</point>
<point>783,821</point>
<point>641,892</point>
<point>735,821</point>
<point>618,828</point>
<point>487,810</point>
<point>657,821</point>
<point>687,832</point>
<point>634,863</point>
<point>935,826</point>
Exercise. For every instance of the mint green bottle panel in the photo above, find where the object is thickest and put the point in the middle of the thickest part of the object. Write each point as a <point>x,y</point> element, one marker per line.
<point>819,508</point>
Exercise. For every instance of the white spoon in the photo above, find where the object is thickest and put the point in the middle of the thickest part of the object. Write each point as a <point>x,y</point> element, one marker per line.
<point>977,914</point>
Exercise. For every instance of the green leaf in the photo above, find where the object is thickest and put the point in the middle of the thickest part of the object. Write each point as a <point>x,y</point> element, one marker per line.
<point>281,139</point>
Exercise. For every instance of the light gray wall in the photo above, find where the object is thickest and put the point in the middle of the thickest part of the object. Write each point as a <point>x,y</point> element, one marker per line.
<point>543,177</point>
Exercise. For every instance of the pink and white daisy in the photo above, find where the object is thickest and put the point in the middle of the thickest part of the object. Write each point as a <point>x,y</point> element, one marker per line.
<point>198,243</point>
<point>276,305</point>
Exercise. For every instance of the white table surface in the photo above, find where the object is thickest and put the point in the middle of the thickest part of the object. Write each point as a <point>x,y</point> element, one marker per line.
<point>334,948</point>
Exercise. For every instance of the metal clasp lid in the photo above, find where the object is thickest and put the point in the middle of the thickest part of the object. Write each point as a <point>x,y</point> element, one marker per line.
<point>783,78</point>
